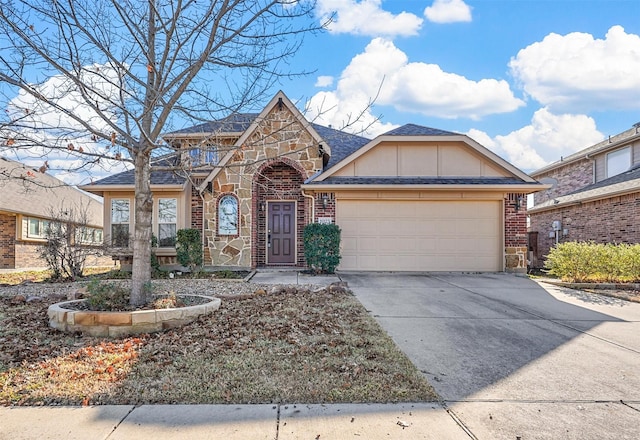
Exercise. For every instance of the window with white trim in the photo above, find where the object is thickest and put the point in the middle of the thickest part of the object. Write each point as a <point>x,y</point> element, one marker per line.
<point>167,222</point>
<point>88,235</point>
<point>37,228</point>
<point>618,161</point>
<point>204,156</point>
<point>228,215</point>
<point>120,216</point>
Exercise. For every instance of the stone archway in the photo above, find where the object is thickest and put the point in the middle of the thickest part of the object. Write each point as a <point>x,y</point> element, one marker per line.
<point>277,180</point>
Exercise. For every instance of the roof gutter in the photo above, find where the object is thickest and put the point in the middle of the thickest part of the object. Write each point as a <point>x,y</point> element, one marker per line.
<point>588,156</point>
<point>521,188</point>
<point>563,204</point>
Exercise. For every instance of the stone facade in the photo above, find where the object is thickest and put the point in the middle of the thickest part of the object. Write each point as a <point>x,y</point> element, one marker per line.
<point>271,165</point>
<point>612,220</point>
<point>515,233</point>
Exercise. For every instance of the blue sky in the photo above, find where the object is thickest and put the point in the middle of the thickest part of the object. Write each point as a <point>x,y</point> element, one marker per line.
<point>531,80</point>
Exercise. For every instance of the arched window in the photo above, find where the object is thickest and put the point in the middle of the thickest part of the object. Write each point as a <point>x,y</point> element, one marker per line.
<point>228,215</point>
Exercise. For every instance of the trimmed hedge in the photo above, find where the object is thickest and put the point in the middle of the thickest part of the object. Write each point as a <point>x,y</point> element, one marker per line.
<point>322,247</point>
<point>189,248</point>
<point>593,262</point>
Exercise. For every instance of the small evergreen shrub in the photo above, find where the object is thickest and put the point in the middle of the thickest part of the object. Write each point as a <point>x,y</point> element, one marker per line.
<point>594,262</point>
<point>322,247</point>
<point>106,296</point>
<point>189,248</point>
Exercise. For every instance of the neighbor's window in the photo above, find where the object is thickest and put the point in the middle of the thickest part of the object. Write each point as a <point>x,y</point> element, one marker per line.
<point>88,235</point>
<point>37,228</point>
<point>204,156</point>
<point>167,222</point>
<point>228,215</point>
<point>120,214</point>
<point>618,161</point>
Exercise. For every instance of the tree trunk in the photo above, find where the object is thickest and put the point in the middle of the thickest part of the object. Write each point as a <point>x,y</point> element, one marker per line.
<point>141,269</point>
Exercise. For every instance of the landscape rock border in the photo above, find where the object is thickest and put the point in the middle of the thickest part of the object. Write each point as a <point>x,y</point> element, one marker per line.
<point>119,324</point>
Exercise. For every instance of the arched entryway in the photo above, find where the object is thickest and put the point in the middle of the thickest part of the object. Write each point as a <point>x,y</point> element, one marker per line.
<point>279,213</point>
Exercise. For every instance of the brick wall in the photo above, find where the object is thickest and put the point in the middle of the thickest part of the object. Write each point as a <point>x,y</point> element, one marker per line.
<point>515,232</point>
<point>569,178</point>
<point>7,241</point>
<point>321,210</point>
<point>613,220</point>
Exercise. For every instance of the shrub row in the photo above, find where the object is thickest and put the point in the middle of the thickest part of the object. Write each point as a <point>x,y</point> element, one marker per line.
<point>592,262</point>
<point>322,247</point>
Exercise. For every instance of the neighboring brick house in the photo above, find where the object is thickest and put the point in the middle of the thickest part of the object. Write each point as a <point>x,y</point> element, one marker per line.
<point>414,198</point>
<point>594,195</point>
<point>28,200</point>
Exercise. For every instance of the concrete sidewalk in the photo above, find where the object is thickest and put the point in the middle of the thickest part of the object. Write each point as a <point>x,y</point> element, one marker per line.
<point>230,422</point>
<point>275,276</point>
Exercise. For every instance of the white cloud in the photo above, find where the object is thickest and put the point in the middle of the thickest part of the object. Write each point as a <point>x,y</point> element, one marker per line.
<point>366,17</point>
<point>324,81</point>
<point>548,138</point>
<point>576,72</point>
<point>384,71</point>
<point>42,132</point>
<point>448,11</point>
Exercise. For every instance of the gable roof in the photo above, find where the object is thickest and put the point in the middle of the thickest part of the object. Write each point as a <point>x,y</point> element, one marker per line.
<point>413,132</point>
<point>343,143</point>
<point>29,192</point>
<point>623,183</point>
<point>610,143</point>
<point>418,130</point>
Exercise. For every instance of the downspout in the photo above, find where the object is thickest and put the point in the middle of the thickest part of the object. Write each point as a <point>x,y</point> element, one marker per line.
<point>312,198</point>
<point>313,205</point>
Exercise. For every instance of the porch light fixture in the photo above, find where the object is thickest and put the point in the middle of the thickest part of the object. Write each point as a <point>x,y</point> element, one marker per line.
<point>325,201</point>
<point>262,206</point>
<point>518,203</point>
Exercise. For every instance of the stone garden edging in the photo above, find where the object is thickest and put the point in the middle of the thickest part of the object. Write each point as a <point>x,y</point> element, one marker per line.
<point>119,324</point>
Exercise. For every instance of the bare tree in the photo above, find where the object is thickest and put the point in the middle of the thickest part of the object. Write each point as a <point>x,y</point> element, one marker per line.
<point>117,73</point>
<point>70,241</point>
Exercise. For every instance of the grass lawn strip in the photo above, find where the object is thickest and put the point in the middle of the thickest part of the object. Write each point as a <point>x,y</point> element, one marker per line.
<point>296,346</point>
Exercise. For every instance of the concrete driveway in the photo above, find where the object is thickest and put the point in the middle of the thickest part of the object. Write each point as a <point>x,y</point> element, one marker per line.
<point>514,359</point>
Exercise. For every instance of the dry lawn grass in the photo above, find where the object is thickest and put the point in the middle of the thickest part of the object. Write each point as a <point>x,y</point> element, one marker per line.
<point>294,347</point>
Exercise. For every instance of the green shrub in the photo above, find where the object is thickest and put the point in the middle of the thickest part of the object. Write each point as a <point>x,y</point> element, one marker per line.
<point>588,261</point>
<point>189,248</point>
<point>106,296</point>
<point>155,264</point>
<point>322,247</point>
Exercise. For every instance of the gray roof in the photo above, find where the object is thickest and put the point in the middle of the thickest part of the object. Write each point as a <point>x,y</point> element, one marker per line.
<point>417,180</point>
<point>418,130</point>
<point>342,144</point>
<point>626,182</point>
<point>157,177</point>
<point>632,174</point>
<point>235,123</point>
<point>26,191</point>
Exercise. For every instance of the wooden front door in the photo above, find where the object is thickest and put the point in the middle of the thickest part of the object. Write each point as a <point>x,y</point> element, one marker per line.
<point>281,233</point>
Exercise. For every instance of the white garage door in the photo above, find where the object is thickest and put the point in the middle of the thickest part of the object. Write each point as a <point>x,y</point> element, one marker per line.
<point>420,235</point>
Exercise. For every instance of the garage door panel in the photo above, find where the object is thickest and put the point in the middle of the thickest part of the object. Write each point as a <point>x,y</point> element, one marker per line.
<point>420,235</point>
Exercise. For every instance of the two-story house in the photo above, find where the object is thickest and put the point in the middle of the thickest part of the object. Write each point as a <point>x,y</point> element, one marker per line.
<point>415,198</point>
<point>594,196</point>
